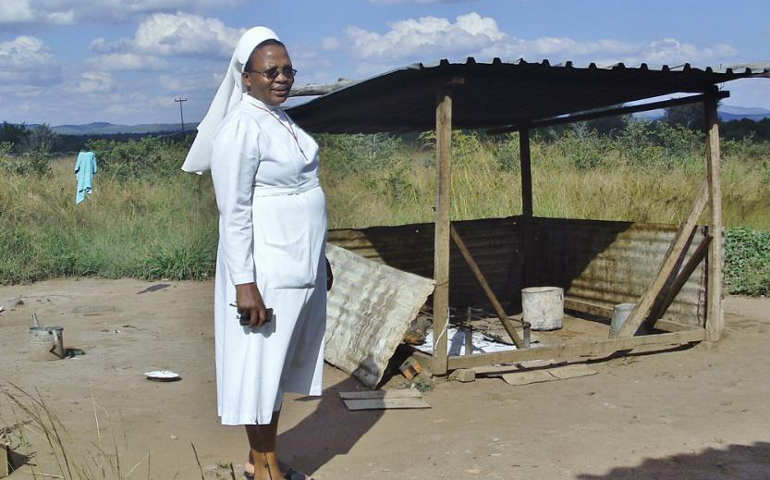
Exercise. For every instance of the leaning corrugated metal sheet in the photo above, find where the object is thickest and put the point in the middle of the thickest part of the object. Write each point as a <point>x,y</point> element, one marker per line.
<point>369,309</point>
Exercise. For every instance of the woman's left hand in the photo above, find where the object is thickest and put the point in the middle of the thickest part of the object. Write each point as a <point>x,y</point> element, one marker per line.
<point>329,275</point>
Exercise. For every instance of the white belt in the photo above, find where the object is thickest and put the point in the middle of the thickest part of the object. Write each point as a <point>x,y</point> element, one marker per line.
<point>276,191</point>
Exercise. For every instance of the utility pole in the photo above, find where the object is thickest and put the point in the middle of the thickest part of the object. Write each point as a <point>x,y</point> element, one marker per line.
<point>179,100</point>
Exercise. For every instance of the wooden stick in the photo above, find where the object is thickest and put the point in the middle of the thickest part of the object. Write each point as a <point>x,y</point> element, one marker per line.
<point>574,350</point>
<point>526,173</point>
<point>441,235</point>
<point>319,89</point>
<point>548,122</point>
<point>681,279</point>
<point>507,324</point>
<point>671,260</point>
<point>714,319</point>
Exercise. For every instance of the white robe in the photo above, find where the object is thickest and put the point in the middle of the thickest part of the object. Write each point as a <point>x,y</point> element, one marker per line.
<point>272,230</point>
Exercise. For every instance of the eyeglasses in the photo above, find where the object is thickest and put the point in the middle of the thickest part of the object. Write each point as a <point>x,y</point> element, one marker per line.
<point>272,73</point>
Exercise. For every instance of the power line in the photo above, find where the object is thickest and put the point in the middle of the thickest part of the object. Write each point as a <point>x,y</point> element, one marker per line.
<point>179,100</point>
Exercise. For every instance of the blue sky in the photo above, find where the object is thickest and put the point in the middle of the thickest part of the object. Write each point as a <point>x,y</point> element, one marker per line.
<point>124,61</point>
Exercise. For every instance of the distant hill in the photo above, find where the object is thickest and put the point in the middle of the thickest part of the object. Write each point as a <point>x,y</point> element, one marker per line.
<point>731,112</point>
<point>726,113</point>
<point>105,128</point>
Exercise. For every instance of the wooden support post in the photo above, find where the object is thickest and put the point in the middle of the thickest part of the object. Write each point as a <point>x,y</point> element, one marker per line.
<point>526,226</point>
<point>507,324</point>
<point>526,173</point>
<point>667,269</point>
<point>441,236</point>
<point>682,277</point>
<point>714,318</point>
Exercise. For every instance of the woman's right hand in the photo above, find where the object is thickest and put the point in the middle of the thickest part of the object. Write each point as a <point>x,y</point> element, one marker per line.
<point>249,301</point>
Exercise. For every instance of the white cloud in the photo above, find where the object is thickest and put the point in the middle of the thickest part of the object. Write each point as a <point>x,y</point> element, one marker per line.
<point>426,35</point>
<point>64,11</point>
<point>27,60</point>
<point>330,43</point>
<point>127,61</point>
<point>473,35</point>
<point>95,82</point>
<point>185,34</point>
<point>17,11</point>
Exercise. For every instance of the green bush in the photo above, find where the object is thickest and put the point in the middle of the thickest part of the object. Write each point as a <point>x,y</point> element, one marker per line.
<point>346,154</point>
<point>747,261</point>
<point>34,162</point>
<point>149,157</point>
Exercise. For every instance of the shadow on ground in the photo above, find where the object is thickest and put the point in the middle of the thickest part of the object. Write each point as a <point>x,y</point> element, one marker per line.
<point>329,431</point>
<point>736,462</point>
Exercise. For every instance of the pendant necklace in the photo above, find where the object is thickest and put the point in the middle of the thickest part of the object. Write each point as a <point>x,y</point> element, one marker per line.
<point>289,127</point>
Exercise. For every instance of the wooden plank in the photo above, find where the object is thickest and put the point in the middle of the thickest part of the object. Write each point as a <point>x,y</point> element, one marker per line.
<point>319,89</point>
<point>526,377</point>
<point>548,122</point>
<point>441,236</point>
<point>583,306</point>
<point>667,269</point>
<point>380,394</point>
<point>507,324</point>
<point>526,173</point>
<point>681,279</point>
<point>385,403</point>
<point>714,314</point>
<point>567,351</point>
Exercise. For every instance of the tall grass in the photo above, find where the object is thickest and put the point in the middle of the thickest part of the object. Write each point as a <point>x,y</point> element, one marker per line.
<point>147,219</point>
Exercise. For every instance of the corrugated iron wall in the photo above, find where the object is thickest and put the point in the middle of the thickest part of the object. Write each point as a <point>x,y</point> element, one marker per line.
<point>597,261</point>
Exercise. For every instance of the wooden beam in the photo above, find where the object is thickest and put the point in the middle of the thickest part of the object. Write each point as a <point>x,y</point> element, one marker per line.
<point>526,173</point>
<point>581,117</point>
<point>507,324</point>
<point>441,236</point>
<point>567,351</point>
<point>667,269</point>
<point>681,279</point>
<point>319,89</point>
<point>714,315</point>
<point>584,306</point>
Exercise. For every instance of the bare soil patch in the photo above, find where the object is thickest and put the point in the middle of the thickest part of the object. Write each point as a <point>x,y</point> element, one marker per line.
<point>700,412</point>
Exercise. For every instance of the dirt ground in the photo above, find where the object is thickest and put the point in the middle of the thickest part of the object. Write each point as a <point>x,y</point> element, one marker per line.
<point>694,413</point>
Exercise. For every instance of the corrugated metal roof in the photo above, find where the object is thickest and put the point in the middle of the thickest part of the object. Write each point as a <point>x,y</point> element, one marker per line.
<point>497,94</point>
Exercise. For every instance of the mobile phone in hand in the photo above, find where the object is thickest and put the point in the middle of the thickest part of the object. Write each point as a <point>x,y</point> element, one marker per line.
<point>245,317</point>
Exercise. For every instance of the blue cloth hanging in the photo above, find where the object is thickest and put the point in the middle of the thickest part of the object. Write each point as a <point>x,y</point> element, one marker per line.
<point>85,168</point>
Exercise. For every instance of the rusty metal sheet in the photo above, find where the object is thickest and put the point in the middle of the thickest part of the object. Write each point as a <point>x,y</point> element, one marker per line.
<point>369,309</point>
<point>612,262</point>
<point>493,242</point>
<point>602,262</point>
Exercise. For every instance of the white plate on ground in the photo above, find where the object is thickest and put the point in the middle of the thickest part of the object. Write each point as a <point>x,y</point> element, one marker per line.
<point>162,376</point>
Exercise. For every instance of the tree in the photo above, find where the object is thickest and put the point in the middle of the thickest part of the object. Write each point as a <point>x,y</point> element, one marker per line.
<point>40,139</point>
<point>688,116</point>
<point>12,133</point>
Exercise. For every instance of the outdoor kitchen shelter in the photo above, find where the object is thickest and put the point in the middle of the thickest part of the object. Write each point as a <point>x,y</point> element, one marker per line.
<point>505,97</point>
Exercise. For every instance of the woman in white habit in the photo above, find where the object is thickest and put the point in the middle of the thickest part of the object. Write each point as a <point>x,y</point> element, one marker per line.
<point>272,237</point>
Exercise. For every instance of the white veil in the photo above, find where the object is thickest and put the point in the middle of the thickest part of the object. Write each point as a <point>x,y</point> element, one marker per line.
<point>228,95</point>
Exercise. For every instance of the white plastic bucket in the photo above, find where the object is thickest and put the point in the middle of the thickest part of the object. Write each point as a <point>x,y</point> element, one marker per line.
<point>620,314</point>
<point>543,307</point>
